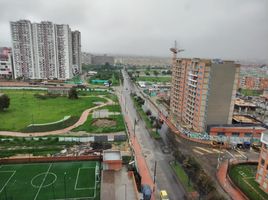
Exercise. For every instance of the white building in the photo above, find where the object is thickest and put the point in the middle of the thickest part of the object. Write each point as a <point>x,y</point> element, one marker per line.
<point>64,51</point>
<point>44,50</point>
<point>22,47</point>
<point>76,50</point>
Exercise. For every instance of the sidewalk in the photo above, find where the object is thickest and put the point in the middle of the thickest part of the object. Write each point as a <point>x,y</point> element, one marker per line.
<point>142,166</point>
<point>226,184</point>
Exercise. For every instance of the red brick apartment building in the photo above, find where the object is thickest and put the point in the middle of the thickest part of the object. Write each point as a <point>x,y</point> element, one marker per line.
<point>253,83</point>
<point>203,92</point>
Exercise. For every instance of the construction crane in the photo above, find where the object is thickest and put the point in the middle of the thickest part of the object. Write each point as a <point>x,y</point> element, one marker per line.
<point>175,50</point>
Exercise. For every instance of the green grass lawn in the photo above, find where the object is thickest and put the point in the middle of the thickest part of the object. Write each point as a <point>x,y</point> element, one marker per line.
<point>182,176</point>
<point>25,109</point>
<point>244,177</point>
<point>248,92</point>
<point>154,79</point>
<point>43,181</point>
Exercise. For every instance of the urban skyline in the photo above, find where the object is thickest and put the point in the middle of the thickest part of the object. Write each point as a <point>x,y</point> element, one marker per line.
<point>45,50</point>
<point>233,30</point>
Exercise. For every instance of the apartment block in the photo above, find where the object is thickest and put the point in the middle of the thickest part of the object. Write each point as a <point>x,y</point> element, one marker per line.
<point>64,55</point>
<point>6,66</point>
<point>76,50</point>
<point>203,92</point>
<point>22,47</point>
<point>262,170</point>
<point>44,50</point>
<point>254,83</point>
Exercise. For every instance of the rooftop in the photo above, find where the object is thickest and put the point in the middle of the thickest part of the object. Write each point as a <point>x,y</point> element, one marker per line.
<point>245,119</point>
<point>241,102</point>
<point>111,155</point>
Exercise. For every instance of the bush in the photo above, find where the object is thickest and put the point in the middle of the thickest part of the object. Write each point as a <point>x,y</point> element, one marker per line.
<point>4,102</point>
<point>148,112</point>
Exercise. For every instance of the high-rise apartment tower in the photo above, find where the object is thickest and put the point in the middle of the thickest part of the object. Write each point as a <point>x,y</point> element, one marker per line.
<point>203,92</point>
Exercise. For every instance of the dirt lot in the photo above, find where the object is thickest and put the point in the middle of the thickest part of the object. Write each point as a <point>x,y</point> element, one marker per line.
<point>104,123</point>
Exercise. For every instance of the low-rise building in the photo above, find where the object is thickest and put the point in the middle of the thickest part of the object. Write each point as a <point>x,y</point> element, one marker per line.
<point>262,170</point>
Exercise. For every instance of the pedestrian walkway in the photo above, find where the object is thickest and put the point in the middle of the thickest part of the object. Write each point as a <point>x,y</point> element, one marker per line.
<point>226,184</point>
<point>142,166</point>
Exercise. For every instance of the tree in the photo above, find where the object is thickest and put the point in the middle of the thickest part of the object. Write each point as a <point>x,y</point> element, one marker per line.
<point>204,184</point>
<point>73,94</point>
<point>147,73</point>
<point>4,102</point>
<point>156,72</point>
<point>109,82</point>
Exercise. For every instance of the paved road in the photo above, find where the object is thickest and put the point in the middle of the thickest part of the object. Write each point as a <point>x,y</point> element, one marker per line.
<point>151,149</point>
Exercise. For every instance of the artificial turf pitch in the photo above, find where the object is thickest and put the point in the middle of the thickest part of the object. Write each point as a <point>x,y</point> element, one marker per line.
<point>50,181</point>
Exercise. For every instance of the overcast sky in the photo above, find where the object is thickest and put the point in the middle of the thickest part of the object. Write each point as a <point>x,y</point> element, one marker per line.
<point>231,29</point>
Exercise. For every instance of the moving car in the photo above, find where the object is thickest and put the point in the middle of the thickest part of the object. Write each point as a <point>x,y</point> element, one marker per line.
<point>163,195</point>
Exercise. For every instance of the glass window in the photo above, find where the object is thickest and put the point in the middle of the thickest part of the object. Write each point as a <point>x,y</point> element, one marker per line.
<point>235,134</point>
<point>262,161</point>
<point>248,134</point>
<point>221,134</point>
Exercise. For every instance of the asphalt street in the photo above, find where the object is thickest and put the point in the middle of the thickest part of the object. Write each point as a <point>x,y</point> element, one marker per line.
<point>165,176</point>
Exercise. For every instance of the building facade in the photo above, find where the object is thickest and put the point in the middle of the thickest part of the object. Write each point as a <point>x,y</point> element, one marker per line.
<point>262,170</point>
<point>203,92</point>
<point>254,83</point>
<point>6,65</point>
<point>22,47</point>
<point>76,50</point>
<point>44,50</point>
<point>64,54</point>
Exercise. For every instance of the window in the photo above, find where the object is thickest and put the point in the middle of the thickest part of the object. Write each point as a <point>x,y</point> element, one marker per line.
<point>221,134</point>
<point>262,162</point>
<point>248,134</point>
<point>235,134</point>
<point>267,169</point>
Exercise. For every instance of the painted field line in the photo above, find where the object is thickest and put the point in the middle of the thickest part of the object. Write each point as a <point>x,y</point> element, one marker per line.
<point>42,182</point>
<point>8,179</point>
<point>253,188</point>
<point>203,149</point>
<point>196,151</point>
<point>77,177</point>
<point>78,198</point>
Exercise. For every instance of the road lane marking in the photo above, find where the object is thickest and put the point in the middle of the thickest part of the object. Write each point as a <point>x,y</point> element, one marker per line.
<point>230,154</point>
<point>241,154</point>
<point>203,149</point>
<point>196,151</point>
<point>217,151</point>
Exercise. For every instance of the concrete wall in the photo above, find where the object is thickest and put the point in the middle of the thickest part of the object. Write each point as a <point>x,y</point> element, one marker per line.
<point>222,78</point>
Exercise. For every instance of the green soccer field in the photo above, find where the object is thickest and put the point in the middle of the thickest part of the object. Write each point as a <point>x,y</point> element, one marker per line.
<point>53,181</point>
<point>244,177</point>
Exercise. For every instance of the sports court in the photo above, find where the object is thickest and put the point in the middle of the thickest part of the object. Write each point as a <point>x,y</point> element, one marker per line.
<point>50,181</point>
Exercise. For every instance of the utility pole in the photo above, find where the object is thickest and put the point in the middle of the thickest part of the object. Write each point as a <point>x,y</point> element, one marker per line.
<point>155,164</point>
<point>135,127</point>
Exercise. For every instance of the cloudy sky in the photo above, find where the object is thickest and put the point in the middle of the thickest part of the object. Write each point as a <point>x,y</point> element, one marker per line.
<point>231,29</point>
